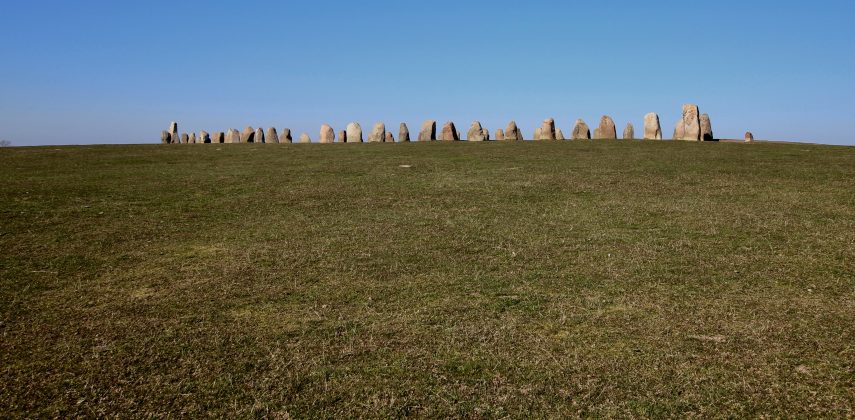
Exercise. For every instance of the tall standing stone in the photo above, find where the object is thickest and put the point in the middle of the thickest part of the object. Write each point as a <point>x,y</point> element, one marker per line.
<point>165,137</point>
<point>272,136</point>
<point>581,131</point>
<point>342,136</point>
<point>512,132</point>
<point>500,134</point>
<point>185,138</point>
<point>258,137</point>
<point>235,136</point>
<point>220,137</point>
<point>428,131</point>
<point>706,128</point>
<point>327,134</point>
<point>204,137</point>
<point>629,132</point>
<point>389,137</point>
<point>192,139</point>
<point>304,138</point>
<point>559,135</point>
<point>403,133</point>
<point>354,133</point>
<point>476,132</point>
<point>173,128</point>
<point>606,129</point>
<point>248,135</point>
<point>749,137</point>
<point>285,137</point>
<point>486,133</point>
<point>538,132</point>
<point>449,132</point>
<point>378,133</point>
<point>547,130</point>
<point>652,129</point>
<point>689,127</point>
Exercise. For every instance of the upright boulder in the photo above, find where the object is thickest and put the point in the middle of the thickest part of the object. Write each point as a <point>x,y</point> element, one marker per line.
<point>581,131</point>
<point>285,137</point>
<point>248,135</point>
<point>185,138</point>
<point>547,130</point>
<point>204,137</point>
<point>559,135</point>
<point>428,131</point>
<point>606,129</point>
<point>258,137</point>
<point>272,136</point>
<point>342,136</point>
<point>232,136</point>
<point>165,137</point>
<point>476,132</point>
<point>173,128</point>
<point>327,134</point>
<point>538,132</point>
<point>449,132</point>
<point>629,132</point>
<point>403,133</point>
<point>354,133</point>
<point>378,133</point>
<point>706,128</point>
<point>486,133</point>
<point>389,137</point>
<point>304,138</point>
<point>689,127</point>
<point>500,134</point>
<point>512,132</point>
<point>192,139</point>
<point>220,137</point>
<point>652,129</point>
<point>749,137</point>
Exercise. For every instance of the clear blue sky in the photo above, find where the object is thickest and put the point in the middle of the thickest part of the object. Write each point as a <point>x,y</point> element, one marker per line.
<point>119,71</point>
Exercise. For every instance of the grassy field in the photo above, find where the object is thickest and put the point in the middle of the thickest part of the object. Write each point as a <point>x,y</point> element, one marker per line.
<point>523,279</point>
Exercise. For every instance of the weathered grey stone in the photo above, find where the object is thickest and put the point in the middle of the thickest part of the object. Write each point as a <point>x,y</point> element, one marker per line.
<point>476,132</point>
<point>689,127</point>
<point>500,134</point>
<point>706,128</point>
<point>559,135</point>
<point>204,137</point>
<point>486,133</point>
<point>248,135</point>
<point>749,137</point>
<point>538,132</point>
<point>354,133</point>
<point>629,132</point>
<point>185,138</point>
<point>403,133</point>
<point>581,131</point>
<point>173,128</point>
<point>378,133</point>
<point>342,136</point>
<point>652,129</point>
<point>272,136</point>
<point>512,132</point>
<point>304,138</point>
<point>192,139</point>
<point>547,130</point>
<point>285,137</point>
<point>389,137</point>
<point>258,137</point>
<point>327,134</point>
<point>233,136</point>
<point>428,131</point>
<point>449,132</point>
<point>165,137</point>
<point>607,129</point>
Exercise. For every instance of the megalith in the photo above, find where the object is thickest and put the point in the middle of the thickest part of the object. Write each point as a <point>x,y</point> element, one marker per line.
<point>559,135</point>
<point>220,137</point>
<point>606,129</point>
<point>192,139</point>
<point>204,137</point>
<point>173,128</point>
<point>165,137</point>
<point>689,127</point>
<point>403,133</point>
<point>327,134</point>
<point>342,136</point>
<point>581,131</point>
<point>749,137</point>
<point>389,137</point>
<point>512,132</point>
<point>304,138</point>
<point>629,132</point>
<point>449,132</point>
<point>378,133</point>
<point>272,136</point>
<point>248,135</point>
<point>285,137</point>
<point>354,133</point>
<point>428,131</point>
<point>706,128</point>
<point>547,130</point>
<point>652,129</point>
<point>500,134</point>
<point>233,136</point>
<point>185,138</point>
<point>538,132</point>
<point>476,132</point>
<point>258,137</point>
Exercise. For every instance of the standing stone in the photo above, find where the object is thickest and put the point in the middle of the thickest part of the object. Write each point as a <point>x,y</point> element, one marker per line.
<point>428,131</point>
<point>689,127</point>
<point>607,129</point>
<point>389,137</point>
<point>500,134</point>
<point>192,139</point>
<point>652,129</point>
<point>248,135</point>
<point>354,133</point>
<point>449,132</point>
<point>403,133</point>
<point>706,128</point>
<point>538,132</point>
<point>378,133</point>
<point>581,131</point>
<point>512,132</point>
<point>559,135</point>
<point>304,138</point>
<point>204,137</point>
<point>165,137</point>
<point>342,136</point>
<point>173,128</point>
<point>547,130</point>
<point>220,137</point>
<point>174,138</point>
<point>327,134</point>
<point>749,137</point>
<point>272,136</point>
<point>486,134</point>
<point>476,132</point>
<point>629,132</point>
<point>185,138</point>
<point>258,137</point>
<point>285,137</point>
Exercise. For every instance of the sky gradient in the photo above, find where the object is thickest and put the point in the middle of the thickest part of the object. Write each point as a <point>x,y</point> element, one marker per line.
<point>118,72</point>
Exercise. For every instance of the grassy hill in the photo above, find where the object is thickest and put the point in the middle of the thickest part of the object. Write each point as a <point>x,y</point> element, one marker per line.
<point>605,278</point>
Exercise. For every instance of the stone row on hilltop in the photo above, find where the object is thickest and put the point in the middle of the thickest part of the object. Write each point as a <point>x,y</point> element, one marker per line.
<point>693,126</point>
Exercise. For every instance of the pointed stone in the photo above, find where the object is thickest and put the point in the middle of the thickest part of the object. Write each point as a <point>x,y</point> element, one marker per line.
<point>342,136</point>
<point>403,133</point>
<point>749,137</point>
<point>204,137</point>
<point>629,132</point>
<point>327,134</point>
<point>486,133</point>
<point>512,132</point>
<point>428,131</point>
<point>652,129</point>
<point>559,135</point>
<point>689,127</point>
<point>304,138</point>
<point>173,128</point>
<point>258,137</point>
<point>378,133</point>
<point>476,132</point>
<point>449,132</point>
<point>165,137</point>
<point>547,130</point>
<point>389,137</point>
<point>248,135</point>
<point>272,136</point>
<point>192,139</point>
<point>354,133</point>
<point>581,131</point>
<point>706,128</point>
<point>185,138</point>
<point>500,134</point>
<point>285,137</point>
<point>607,129</point>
